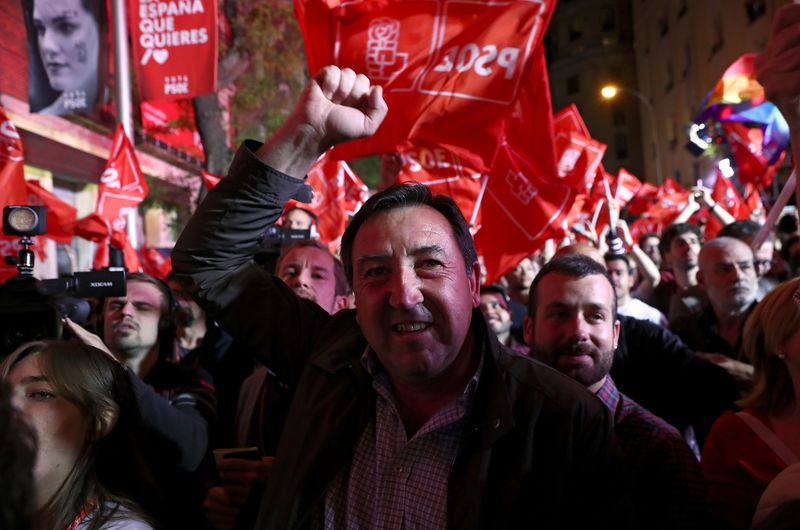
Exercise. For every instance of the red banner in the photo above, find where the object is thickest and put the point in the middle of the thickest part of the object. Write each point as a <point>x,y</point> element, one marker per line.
<point>578,156</point>
<point>525,202</point>
<point>445,173</point>
<point>122,184</point>
<point>60,215</point>
<point>625,187</point>
<point>445,66</point>
<point>12,182</point>
<point>172,122</point>
<point>154,262</point>
<point>174,47</point>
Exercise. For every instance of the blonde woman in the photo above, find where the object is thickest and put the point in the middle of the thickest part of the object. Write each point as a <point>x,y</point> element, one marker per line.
<point>746,450</point>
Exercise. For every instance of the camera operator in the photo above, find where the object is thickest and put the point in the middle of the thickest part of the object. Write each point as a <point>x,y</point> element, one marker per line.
<point>178,403</point>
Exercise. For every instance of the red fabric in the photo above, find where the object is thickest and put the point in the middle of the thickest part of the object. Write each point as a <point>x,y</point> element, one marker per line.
<point>446,67</point>
<point>643,199</point>
<point>210,179</point>
<point>154,262</point>
<point>122,188</point>
<point>752,198</point>
<point>122,184</point>
<point>445,173</point>
<point>174,48</point>
<point>578,156</point>
<point>737,465</point>
<point>643,225</point>
<point>335,197</point>
<point>60,215</point>
<point>173,123</point>
<point>524,202</point>
<point>728,197</point>
<point>626,186</point>
<point>12,182</point>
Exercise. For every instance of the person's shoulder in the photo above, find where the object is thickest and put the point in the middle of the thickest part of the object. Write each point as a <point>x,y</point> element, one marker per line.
<point>645,422</point>
<point>121,518</point>
<point>526,376</point>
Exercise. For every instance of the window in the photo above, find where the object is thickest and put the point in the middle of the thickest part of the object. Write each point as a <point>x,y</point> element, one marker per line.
<point>619,117</point>
<point>609,20</point>
<point>669,80</point>
<point>682,9</point>
<point>621,146</point>
<point>755,9</point>
<point>663,24</point>
<point>573,84</point>
<point>575,30</point>
<point>719,39</point>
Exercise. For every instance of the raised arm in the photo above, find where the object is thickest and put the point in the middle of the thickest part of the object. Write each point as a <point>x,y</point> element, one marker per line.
<point>213,257</point>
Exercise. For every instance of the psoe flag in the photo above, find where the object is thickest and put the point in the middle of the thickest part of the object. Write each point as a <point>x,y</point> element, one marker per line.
<point>174,47</point>
<point>451,70</point>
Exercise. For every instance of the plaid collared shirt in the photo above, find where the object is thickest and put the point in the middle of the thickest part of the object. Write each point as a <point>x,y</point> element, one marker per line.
<point>667,485</point>
<point>394,481</point>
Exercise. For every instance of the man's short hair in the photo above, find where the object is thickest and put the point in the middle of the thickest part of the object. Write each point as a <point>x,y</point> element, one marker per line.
<point>497,289</point>
<point>167,295</point>
<point>406,195</point>
<point>574,266</point>
<point>675,230</point>
<point>620,257</point>
<point>341,288</point>
<point>649,234</point>
<point>744,230</point>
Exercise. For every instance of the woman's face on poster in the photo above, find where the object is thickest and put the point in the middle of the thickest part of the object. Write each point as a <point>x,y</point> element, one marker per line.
<point>69,41</point>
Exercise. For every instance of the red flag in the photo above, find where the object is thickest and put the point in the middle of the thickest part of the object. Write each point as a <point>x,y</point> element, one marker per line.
<point>445,173</point>
<point>174,48</point>
<point>60,214</point>
<point>92,227</point>
<point>173,123</point>
<point>643,225</point>
<point>122,185</point>
<point>625,187</point>
<point>671,199</point>
<point>12,182</point>
<point>577,154</point>
<point>210,179</point>
<point>154,262</point>
<point>752,199</point>
<point>122,188</point>
<point>643,199</point>
<point>525,202</point>
<point>330,203</point>
<point>445,66</point>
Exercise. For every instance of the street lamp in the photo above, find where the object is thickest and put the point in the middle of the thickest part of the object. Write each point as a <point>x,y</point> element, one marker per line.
<point>610,91</point>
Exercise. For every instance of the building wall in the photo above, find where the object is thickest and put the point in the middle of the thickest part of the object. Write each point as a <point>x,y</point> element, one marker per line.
<point>671,51</point>
<point>589,44</point>
<point>682,49</point>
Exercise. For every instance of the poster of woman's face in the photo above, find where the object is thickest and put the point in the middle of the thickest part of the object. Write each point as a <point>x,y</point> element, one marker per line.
<point>66,54</point>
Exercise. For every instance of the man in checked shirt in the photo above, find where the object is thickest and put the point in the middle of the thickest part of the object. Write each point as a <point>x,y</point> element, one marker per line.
<point>572,326</point>
<point>407,413</point>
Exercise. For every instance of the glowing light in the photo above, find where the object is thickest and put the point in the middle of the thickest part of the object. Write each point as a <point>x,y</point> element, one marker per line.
<point>608,92</point>
<point>725,168</point>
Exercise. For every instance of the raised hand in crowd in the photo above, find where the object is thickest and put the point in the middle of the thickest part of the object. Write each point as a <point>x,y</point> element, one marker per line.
<point>337,106</point>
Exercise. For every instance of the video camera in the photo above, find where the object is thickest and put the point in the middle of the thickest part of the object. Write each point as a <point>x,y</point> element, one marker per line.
<point>31,309</point>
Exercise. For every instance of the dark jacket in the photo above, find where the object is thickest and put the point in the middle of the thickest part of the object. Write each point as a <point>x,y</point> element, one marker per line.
<point>538,450</point>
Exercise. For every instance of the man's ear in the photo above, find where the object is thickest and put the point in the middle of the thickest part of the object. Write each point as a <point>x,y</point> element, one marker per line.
<point>105,422</point>
<point>527,329</point>
<point>339,302</point>
<point>475,283</point>
<point>617,325</point>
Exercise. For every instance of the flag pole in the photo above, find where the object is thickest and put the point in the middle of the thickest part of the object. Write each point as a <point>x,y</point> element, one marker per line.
<point>775,211</point>
<point>479,200</point>
<point>122,79</point>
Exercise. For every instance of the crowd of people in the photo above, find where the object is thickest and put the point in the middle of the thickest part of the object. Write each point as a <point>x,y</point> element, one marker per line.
<point>647,384</point>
